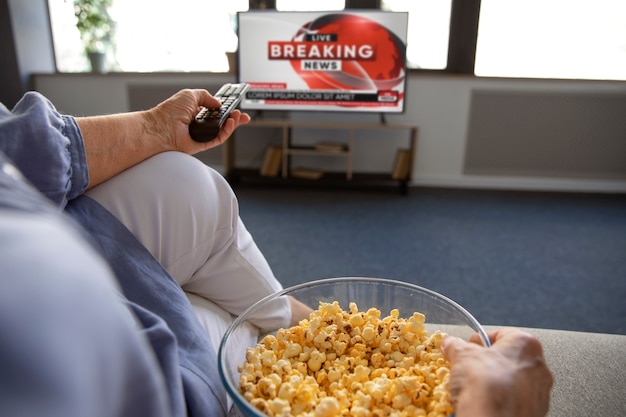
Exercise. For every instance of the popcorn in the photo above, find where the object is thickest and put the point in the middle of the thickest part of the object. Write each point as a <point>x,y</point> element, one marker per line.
<point>349,363</point>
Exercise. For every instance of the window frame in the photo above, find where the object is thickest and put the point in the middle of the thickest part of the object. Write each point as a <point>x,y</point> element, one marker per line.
<point>462,38</point>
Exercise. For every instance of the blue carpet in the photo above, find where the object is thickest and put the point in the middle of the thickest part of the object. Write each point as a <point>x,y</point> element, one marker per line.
<point>546,260</point>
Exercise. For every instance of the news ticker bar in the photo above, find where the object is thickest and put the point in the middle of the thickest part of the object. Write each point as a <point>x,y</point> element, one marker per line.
<point>283,95</point>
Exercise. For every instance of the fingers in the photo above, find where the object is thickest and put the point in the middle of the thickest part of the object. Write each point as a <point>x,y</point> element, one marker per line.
<point>516,343</point>
<point>205,99</point>
<point>243,119</point>
<point>453,346</point>
<point>477,339</point>
<point>511,376</point>
<point>236,119</point>
<point>231,123</point>
<point>175,114</point>
<point>511,342</point>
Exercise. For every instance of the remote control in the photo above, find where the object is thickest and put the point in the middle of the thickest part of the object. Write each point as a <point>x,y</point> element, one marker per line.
<point>208,122</point>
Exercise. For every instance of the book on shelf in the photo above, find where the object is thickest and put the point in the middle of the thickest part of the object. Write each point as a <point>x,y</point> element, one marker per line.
<point>330,147</point>
<point>307,173</point>
<point>402,165</point>
<point>272,162</point>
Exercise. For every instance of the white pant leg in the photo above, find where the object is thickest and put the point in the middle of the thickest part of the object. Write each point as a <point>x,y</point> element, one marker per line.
<point>216,321</point>
<point>187,216</point>
<point>213,317</point>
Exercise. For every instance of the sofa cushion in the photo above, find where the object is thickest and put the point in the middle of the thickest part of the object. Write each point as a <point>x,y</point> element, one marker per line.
<point>589,372</point>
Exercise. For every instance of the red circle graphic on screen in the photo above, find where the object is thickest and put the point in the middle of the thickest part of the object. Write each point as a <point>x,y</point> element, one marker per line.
<point>382,73</point>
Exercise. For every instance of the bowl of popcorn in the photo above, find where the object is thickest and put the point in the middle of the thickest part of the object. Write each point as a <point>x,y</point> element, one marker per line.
<point>362,347</point>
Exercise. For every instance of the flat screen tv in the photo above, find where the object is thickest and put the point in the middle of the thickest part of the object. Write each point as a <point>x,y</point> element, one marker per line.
<point>351,61</point>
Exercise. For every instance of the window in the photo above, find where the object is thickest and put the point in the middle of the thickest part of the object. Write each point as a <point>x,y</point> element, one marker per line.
<point>68,48</point>
<point>171,36</point>
<point>155,35</point>
<point>429,30</point>
<point>572,39</point>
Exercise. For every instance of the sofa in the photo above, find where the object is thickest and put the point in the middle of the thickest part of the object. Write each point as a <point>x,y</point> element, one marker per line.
<point>589,372</point>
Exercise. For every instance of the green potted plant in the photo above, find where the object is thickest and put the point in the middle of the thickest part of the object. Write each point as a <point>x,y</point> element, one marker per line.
<point>96,30</point>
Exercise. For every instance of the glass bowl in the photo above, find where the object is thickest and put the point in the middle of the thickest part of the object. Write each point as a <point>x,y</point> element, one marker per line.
<point>384,294</point>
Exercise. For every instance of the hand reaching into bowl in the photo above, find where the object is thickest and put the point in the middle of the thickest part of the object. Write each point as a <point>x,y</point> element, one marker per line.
<point>510,378</point>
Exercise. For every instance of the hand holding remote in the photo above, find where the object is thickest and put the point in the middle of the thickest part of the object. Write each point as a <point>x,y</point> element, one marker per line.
<point>208,122</point>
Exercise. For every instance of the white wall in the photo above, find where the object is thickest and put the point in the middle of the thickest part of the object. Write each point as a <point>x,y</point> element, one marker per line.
<point>438,104</point>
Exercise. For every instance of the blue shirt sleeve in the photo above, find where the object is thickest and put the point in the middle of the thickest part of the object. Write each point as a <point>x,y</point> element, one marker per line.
<point>46,147</point>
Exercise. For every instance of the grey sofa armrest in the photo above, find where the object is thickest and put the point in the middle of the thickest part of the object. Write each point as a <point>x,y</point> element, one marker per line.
<point>589,372</point>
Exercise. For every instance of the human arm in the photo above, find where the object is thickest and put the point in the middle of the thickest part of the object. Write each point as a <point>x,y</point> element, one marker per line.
<point>114,143</point>
<point>62,155</point>
<point>510,378</point>
<point>299,311</point>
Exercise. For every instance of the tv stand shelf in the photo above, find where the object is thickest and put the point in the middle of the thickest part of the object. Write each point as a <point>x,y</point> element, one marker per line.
<point>343,149</point>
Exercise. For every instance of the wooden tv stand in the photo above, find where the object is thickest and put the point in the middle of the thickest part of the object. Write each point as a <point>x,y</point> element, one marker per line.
<point>403,168</point>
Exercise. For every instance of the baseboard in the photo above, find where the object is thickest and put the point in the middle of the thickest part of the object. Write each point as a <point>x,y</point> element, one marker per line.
<point>521,183</point>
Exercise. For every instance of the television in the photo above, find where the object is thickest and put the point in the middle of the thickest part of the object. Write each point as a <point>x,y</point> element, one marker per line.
<point>342,61</point>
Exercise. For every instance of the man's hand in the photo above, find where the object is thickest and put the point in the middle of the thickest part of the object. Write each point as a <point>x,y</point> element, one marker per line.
<point>170,121</point>
<point>510,378</point>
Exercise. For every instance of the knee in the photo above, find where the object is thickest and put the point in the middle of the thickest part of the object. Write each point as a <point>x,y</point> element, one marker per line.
<point>164,182</point>
<point>182,177</point>
<point>187,172</point>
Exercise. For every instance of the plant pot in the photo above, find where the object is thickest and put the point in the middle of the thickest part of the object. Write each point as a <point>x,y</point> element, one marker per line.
<point>97,61</point>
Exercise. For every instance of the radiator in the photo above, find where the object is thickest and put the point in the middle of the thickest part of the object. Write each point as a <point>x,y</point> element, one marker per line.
<point>547,134</point>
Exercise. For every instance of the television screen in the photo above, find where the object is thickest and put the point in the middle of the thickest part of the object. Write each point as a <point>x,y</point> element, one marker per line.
<point>335,61</point>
